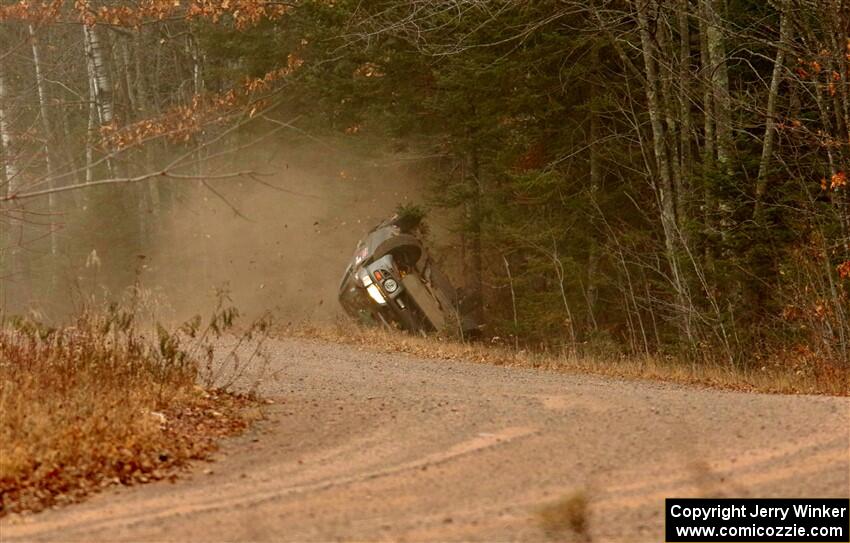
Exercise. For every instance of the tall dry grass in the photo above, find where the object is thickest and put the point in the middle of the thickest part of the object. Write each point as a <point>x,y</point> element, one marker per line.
<point>104,400</point>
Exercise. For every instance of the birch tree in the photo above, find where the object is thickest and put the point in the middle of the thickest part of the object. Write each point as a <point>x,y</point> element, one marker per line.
<point>9,170</point>
<point>47,133</point>
<point>98,75</point>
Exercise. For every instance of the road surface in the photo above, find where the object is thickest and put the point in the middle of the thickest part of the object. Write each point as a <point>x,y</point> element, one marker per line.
<point>366,446</point>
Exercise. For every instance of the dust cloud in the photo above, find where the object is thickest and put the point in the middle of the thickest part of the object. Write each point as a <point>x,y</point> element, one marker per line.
<point>279,243</point>
<point>297,231</point>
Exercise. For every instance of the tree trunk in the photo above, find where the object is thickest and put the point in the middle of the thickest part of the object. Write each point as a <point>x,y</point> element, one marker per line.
<point>722,100</point>
<point>665,187</point>
<point>99,75</point>
<point>841,46</point>
<point>473,239</point>
<point>126,81</point>
<point>141,91</point>
<point>684,189</point>
<point>48,134</point>
<point>144,110</point>
<point>595,183</point>
<point>8,182</point>
<point>10,170</point>
<point>709,150</point>
<point>100,90</point>
<point>197,73</point>
<point>90,133</point>
<point>664,58</point>
<point>770,117</point>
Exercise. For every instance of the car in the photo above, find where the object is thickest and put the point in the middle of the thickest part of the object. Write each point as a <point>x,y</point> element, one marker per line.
<point>393,281</point>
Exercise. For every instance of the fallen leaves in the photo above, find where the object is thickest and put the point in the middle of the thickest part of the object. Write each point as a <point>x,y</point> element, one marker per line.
<point>86,407</point>
<point>191,433</point>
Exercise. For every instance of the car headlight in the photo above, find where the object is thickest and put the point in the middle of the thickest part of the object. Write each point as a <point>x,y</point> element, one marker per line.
<point>375,294</point>
<point>390,285</point>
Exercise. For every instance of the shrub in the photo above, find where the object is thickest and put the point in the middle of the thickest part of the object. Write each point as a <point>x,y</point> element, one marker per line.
<point>101,401</point>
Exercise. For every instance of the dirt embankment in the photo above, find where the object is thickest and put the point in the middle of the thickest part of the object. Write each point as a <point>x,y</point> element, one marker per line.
<point>365,446</point>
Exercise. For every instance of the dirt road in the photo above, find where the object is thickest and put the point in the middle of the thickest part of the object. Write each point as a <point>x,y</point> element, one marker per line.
<point>371,446</point>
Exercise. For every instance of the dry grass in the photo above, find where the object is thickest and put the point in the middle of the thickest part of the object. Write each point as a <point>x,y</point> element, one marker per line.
<point>98,403</point>
<point>782,376</point>
<point>566,516</point>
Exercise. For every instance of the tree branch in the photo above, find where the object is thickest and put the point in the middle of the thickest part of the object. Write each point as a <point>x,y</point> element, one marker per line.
<point>161,174</point>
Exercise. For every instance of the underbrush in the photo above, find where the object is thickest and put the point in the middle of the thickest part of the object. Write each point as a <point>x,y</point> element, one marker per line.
<point>104,400</point>
<point>782,375</point>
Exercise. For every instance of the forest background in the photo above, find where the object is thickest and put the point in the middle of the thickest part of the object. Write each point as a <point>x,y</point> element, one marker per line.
<point>610,176</point>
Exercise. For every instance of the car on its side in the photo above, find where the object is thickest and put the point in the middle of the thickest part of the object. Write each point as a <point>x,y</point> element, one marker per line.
<point>393,281</point>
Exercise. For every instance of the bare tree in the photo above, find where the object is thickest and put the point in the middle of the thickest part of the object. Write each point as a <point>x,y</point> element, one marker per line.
<point>662,157</point>
<point>47,134</point>
<point>770,116</point>
<point>10,170</point>
<point>721,99</point>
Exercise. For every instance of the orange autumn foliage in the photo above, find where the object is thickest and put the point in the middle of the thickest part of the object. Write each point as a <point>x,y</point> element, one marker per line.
<point>180,123</point>
<point>243,13</point>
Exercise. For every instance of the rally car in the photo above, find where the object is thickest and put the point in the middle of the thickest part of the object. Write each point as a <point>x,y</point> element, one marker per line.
<point>392,281</point>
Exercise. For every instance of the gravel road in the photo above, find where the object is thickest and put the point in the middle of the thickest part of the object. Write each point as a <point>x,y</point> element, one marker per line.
<point>365,446</point>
